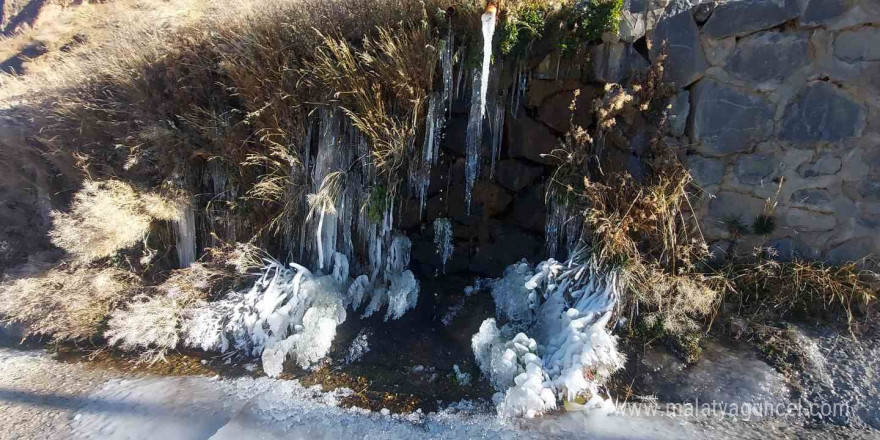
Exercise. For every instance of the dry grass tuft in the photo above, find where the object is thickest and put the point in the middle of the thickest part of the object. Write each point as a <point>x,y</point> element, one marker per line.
<point>107,217</point>
<point>805,288</point>
<point>66,303</point>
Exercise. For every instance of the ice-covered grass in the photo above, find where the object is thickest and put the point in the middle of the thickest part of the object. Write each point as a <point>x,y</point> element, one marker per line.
<point>291,312</point>
<point>565,308</point>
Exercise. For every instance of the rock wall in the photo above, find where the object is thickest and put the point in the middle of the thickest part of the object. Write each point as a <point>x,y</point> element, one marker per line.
<point>768,93</point>
<point>782,93</point>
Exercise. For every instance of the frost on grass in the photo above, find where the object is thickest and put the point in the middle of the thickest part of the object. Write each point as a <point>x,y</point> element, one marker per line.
<point>565,307</point>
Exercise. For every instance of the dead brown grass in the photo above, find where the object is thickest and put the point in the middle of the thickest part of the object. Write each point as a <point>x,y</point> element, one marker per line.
<point>67,302</point>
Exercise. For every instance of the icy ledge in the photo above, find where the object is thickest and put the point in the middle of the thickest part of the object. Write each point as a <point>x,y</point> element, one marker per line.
<point>565,307</point>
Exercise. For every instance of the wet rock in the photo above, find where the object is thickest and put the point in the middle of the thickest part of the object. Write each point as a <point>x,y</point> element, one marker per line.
<point>529,139</point>
<point>727,120</point>
<point>509,244</point>
<point>679,38</point>
<point>755,169</point>
<point>817,12</point>
<point>706,171</point>
<point>678,113</point>
<point>821,112</point>
<point>515,174</point>
<point>529,211</point>
<point>825,164</point>
<point>862,44</point>
<point>812,197</point>
<point>768,56</point>
<point>738,18</point>
<point>615,62</point>
<point>491,197</point>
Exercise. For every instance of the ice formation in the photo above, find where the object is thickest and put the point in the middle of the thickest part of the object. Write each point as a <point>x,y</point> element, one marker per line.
<point>566,308</point>
<point>473,140</point>
<point>291,312</point>
<point>359,347</point>
<point>488,29</point>
<point>443,239</point>
<point>185,235</point>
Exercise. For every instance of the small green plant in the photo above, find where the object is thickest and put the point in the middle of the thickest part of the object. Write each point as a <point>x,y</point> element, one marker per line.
<point>735,226</point>
<point>591,18</point>
<point>764,224</point>
<point>523,26</point>
<point>377,203</point>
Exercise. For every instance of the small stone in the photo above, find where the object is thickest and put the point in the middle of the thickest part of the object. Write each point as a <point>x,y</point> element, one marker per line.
<point>818,12</point>
<point>821,112</point>
<point>727,120</point>
<point>825,164</point>
<point>755,169</point>
<point>862,44</point>
<point>768,56</point>
<point>812,198</point>
<point>738,18</point>
<point>679,38</point>
<point>706,171</point>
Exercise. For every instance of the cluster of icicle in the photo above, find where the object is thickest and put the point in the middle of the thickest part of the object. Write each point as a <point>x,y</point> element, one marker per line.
<point>555,345</point>
<point>291,312</point>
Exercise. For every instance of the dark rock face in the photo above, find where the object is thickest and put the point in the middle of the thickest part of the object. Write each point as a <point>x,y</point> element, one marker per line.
<point>678,113</point>
<point>738,18</point>
<point>727,120</point>
<point>679,38</point>
<point>768,56</point>
<point>825,164</point>
<point>615,62</point>
<point>516,174</point>
<point>811,197</point>
<point>529,139</point>
<point>821,112</point>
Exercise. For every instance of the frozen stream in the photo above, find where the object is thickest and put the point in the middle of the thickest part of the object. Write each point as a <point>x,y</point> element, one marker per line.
<point>44,398</point>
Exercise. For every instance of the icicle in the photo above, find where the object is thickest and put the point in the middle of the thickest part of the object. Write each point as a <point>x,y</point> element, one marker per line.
<point>488,27</point>
<point>474,142</point>
<point>443,239</point>
<point>446,62</point>
<point>185,233</point>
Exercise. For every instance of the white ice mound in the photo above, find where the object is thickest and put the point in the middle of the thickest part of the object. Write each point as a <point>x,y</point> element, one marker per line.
<point>293,313</point>
<point>566,307</point>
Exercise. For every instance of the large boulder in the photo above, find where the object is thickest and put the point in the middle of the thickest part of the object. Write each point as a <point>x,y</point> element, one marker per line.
<point>769,56</point>
<point>679,107</point>
<point>821,112</point>
<point>706,171</point>
<point>727,120</point>
<point>679,38</point>
<point>738,18</point>
<point>755,169</point>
